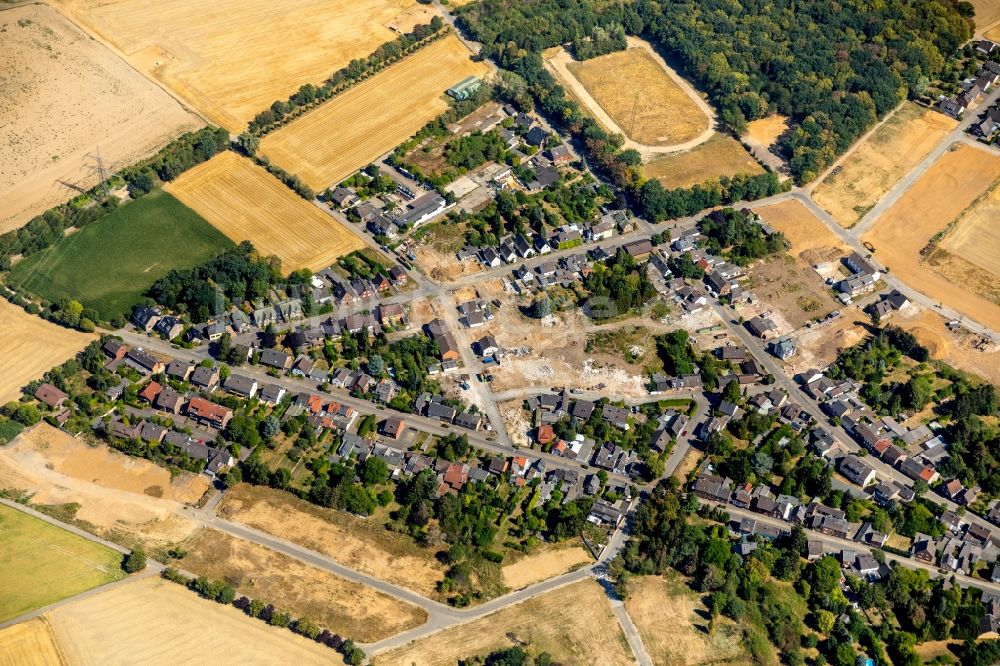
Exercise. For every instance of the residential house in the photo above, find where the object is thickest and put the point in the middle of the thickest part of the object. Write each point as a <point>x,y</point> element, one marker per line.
<point>179,370</point>
<point>144,362</point>
<point>205,377</point>
<point>51,396</point>
<point>273,358</point>
<point>209,413</point>
<point>856,470</point>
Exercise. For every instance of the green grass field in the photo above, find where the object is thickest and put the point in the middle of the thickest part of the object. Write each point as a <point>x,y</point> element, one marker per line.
<point>41,563</point>
<point>108,264</point>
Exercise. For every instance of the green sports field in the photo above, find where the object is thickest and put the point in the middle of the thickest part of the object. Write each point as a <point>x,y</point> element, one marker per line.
<point>41,563</point>
<point>110,263</point>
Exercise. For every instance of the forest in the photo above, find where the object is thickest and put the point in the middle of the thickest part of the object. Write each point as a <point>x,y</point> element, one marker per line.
<point>834,69</point>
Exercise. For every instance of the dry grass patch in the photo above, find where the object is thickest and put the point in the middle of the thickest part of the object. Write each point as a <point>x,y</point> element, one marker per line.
<point>548,561</point>
<point>342,606</point>
<point>232,58</point>
<point>31,347</point>
<point>765,131</point>
<point>354,542</point>
<point>574,624</point>
<point>645,100</point>
<point>153,621</point>
<point>62,95</point>
<point>875,165</point>
<point>672,623</point>
<point>720,156</point>
<point>801,227</point>
<point>245,202</point>
<point>29,643</point>
<point>353,129</point>
<point>940,195</point>
<point>988,13</point>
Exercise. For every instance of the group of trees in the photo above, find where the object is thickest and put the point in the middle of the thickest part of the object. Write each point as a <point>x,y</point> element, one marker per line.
<point>617,286</point>
<point>657,203</point>
<point>834,70</point>
<point>233,276</point>
<point>600,41</point>
<point>174,159</point>
<point>738,235</point>
<point>812,612</point>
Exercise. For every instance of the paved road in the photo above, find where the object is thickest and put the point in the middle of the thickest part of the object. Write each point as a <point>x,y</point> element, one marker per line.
<point>631,633</point>
<point>835,544</point>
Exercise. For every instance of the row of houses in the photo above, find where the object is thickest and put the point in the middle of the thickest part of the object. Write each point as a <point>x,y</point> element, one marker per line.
<point>973,90</point>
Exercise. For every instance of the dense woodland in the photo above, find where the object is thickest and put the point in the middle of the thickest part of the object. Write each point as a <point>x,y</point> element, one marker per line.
<point>833,68</point>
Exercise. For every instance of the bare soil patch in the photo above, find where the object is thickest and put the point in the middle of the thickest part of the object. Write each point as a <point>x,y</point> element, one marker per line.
<point>791,286</point>
<point>153,621</point>
<point>550,560</point>
<point>719,156</point>
<point>819,346</point>
<point>245,202</point>
<point>337,138</point>
<point>939,196</point>
<point>342,606</point>
<point>633,92</point>
<point>688,464</point>
<point>30,643</point>
<point>876,164</point>
<point>111,512</point>
<point>574,624</point>
<point>354,542</point>
<point>232,58</point>
<point>31,346</point>
<point>63,95</point>
<point>671,621</point>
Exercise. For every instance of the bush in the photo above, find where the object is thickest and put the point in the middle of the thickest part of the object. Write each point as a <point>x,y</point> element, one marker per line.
<point>135,561</point>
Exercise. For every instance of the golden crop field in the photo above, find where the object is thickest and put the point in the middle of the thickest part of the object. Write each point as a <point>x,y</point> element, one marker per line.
<point>976,237</point>
<point>153,621</point>
<point>232,58</point>
<point>29,644</point>
<point>939,196</point>
<point>31,347</point>
<point>245,202</point>
<point>331,142</point>
<point>644,99</point>
<point>876,164</point>
<point>720,156</point>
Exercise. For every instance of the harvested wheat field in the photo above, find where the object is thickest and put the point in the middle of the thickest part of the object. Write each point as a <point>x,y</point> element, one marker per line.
<point>32,346</point>
<point>353,129</point>
<point>970,253</point>
<point>719,156</point>
<point>987,13</point>
<point>63,95</point>
<point>352,541</point>
<point>877,164</point>
<point>343,607</point>
<point>153,621</point>
<point>574,624</point>
<point>956,348</point>
<point>232,58</point>
<point>806,232</point>
<point>940,195</point>
<point>765,131</point>
<point>245,202</point>
<point>29,643</point>
<point>119,510</point>
<point>633,92</point>
<point>549,561</point>
<point>667,615</point>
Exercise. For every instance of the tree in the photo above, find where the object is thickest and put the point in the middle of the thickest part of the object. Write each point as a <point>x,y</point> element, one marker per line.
<point>135,561</point>
<point>270,427</point>
<point>376,365</point>
<point>731,392</point>
<point>374,471</point>
<point>248,143</point>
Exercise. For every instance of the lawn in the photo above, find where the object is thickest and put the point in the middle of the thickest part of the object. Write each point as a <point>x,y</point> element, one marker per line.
<point>110,263</point>
<point>41,563</point>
